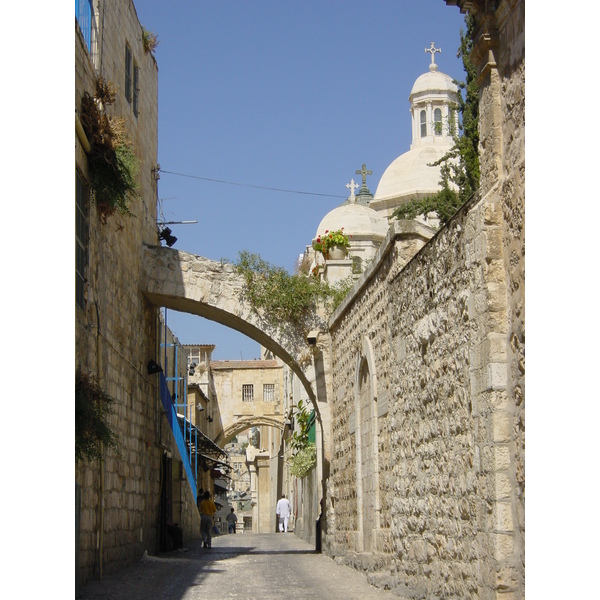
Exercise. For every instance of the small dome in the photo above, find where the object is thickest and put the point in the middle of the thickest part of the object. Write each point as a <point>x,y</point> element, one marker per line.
<point>432,82</point>
<point>356,219</point>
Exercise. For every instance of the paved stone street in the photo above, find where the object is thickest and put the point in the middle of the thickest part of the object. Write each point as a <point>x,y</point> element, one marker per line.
<point>241,567</point>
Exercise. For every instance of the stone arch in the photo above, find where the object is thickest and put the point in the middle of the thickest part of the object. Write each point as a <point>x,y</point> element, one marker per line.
<point>185,282</point>
<point>367,446</point>
<point>246,422</point>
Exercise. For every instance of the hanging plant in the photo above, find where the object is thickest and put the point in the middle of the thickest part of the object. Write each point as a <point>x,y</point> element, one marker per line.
<point>112,162</point>
<point>325,242</point>
<point>303,461</point>
<point>92,408</point>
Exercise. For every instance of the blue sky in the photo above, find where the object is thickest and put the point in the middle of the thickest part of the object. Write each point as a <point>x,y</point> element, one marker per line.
<point>287,95</point>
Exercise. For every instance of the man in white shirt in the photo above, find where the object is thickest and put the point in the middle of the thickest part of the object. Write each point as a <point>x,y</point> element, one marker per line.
<point>283,513</point>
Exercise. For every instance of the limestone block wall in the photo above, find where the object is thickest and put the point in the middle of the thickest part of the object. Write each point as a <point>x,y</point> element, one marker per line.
<point>117,330</point>
<point>446,335</point>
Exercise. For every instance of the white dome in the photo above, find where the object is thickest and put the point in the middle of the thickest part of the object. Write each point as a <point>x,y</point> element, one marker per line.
<point>432,82</point>
<point>410,175</point>
<point>356,219</point>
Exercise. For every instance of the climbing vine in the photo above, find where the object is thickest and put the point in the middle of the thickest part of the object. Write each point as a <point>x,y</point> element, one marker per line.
<point>303,461</point>
<point>112,162</point>
<point>304,456</point>
<point>284,298</point>
<point>92,409</point>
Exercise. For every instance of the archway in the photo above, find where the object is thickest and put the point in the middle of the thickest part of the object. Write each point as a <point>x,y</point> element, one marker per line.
<point>367,447</point>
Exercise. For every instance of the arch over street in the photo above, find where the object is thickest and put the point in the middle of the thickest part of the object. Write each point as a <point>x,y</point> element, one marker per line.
<point>185,282</point>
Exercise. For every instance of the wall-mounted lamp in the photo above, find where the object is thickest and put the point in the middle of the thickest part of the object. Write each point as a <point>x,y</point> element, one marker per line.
<point>153,368</point>
<point>155,172</point>
<point>209,419</point>
<point>165,235</point>
<point>199,407</point>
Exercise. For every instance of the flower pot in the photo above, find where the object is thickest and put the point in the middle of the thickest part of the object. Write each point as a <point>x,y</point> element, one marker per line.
<point>337,253</point>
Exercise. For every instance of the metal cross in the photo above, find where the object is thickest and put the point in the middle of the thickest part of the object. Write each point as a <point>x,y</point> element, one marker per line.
<point>352,186</point>
<point>364,173</point>
<point>433,50</point>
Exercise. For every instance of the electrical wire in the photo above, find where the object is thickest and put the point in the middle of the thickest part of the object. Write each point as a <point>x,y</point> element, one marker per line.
<point>259,187</point>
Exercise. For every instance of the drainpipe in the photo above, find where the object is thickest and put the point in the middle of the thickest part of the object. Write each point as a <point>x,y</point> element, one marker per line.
<point>99,376</point>
<point>101,549</point>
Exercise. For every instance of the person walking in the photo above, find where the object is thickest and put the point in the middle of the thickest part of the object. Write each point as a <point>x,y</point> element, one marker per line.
<point>207,511</point>
<point>283,513</point>
<point>231,519</point>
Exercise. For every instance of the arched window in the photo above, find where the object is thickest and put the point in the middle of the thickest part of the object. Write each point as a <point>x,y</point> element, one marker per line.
<point>437,121</point>
<point>356,264</point>
<point>423,117</point>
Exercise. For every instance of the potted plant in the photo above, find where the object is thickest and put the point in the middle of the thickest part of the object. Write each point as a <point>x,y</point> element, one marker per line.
<point>332,244</point>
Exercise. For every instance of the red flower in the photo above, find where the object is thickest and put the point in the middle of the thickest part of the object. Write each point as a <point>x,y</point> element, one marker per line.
<point>327,231</point>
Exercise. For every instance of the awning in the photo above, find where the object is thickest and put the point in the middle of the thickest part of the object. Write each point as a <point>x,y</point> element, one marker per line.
<point>199,442</point>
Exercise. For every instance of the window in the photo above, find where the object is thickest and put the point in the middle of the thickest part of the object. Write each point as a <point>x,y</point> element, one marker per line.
<point>247,392</point>
<point>136,89</point>
<point>83,12</point>
<point>81,239</point>
<point>197,356</point>
<point>356,265</point>
<point>269,392</point>
<point>437,121</point>
<point>128,62</point>
<point>423,117</point>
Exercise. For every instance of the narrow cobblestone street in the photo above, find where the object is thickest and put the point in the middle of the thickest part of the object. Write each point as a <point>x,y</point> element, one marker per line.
<point>241,567</point>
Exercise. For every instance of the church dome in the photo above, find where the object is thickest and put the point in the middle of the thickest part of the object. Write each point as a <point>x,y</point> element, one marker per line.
<point>410,176</point>
<point>434,81</point>
<point>357,220</point>
<point>433,101</point>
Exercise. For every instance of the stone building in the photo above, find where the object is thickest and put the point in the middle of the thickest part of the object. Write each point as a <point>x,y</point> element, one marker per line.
<point>433,109</point>
<point>124,500</point>
<point>426,484</point>
<point>417,379</point>
<point>250,391</point>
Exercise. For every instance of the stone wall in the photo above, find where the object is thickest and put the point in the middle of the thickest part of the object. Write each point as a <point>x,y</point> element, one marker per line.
<point>117,330</point>
<point>427,474</point>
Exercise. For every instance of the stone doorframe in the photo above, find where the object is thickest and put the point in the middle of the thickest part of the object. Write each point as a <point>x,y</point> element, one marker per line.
<point>366,355</point>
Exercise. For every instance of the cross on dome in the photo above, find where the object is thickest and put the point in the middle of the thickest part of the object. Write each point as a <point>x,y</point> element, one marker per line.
<point>432,50</point>
<point>352,186</point>
<point>364,173</point>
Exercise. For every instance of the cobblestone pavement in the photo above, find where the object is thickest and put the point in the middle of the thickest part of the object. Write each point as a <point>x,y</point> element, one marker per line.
<point>241,567</point>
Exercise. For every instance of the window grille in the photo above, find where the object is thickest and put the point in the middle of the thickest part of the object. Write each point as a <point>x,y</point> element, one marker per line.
<point>128,73</point>
<point>269,392</point>
<point>81,239</point>
<point>247,392</point>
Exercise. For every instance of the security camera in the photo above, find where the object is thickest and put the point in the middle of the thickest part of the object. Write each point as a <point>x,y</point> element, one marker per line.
<point>311,338</point>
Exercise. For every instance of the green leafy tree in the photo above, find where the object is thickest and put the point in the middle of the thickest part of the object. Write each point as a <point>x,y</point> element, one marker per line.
<point>460,165</point>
